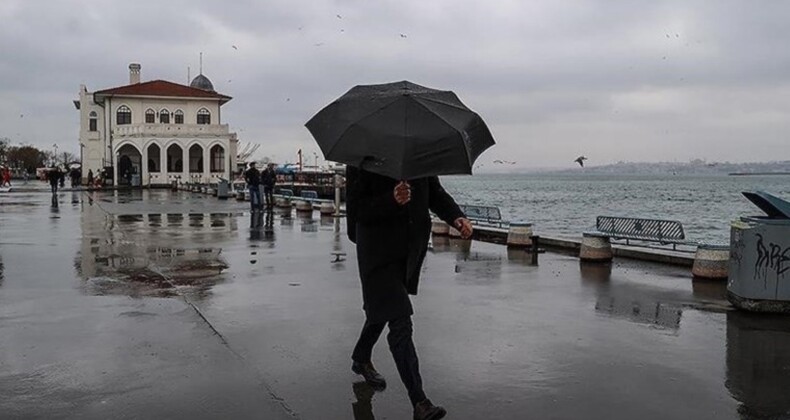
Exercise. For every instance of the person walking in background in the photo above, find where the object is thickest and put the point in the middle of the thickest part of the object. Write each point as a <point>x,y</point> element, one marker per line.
<point>390,223</point>
<point>54,177</point>
<point>90,178</point>
<point>268,179</point>
<point>253,179</point>
<point>5,175</point>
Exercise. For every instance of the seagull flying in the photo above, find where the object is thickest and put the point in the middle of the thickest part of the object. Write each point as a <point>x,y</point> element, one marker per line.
<point>403,35</point>
<point>235,47</point>
<point>580,160</point>
<point>339,17</point>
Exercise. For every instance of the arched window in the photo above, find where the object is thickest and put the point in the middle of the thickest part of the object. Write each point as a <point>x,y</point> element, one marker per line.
<point>93,121</point>
<point>179,116</point>
<point>150,116</point>
<point>217,155</point>
<point>195,159</point>
<point>175,156</point>
<point>164,116</point>
<point>123,115</point>
<point>203,116</point>
<point>153,158</point>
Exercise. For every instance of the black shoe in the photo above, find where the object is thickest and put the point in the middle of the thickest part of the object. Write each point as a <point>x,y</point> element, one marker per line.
<point>425,410</point>
<point>369,373</point>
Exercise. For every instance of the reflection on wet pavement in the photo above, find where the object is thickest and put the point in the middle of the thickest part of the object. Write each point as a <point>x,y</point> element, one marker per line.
<point>758,364</point>
<point>363,406</point>
<point>123,254</point>
<point>497,336</point>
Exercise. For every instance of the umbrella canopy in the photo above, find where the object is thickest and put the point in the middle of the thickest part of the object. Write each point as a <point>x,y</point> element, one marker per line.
<point>401,130</point>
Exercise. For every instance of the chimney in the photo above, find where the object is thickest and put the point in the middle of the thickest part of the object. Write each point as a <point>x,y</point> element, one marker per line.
<point>134,73</point>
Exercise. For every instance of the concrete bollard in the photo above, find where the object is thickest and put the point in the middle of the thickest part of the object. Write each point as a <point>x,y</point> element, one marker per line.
<point>453,232</point>
<point>304,206</point>
<point>440,228</point>
<point>240,195</point>
<point>174,186</point>
<point>327,208</point>
<point>595,248</point>
<point>203,190</point>
<point>211,191</point>
<point>247,195</point>
<point>711,262</point>
<point>282,202</point>
<point>519,234</point>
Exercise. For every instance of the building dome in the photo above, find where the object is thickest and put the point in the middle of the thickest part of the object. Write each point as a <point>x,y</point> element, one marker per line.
<point>202,82</point>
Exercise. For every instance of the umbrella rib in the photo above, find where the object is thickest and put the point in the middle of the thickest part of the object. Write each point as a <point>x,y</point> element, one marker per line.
<point>466,149</point>
<point>340,137</point>
<point>463,108</point>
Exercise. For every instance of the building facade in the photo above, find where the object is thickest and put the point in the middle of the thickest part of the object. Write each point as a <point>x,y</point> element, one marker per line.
<point>156,132</point>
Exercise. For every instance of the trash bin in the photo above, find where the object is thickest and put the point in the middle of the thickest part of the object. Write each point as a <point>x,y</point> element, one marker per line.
<point>223,189</point>
<point>760,257</point>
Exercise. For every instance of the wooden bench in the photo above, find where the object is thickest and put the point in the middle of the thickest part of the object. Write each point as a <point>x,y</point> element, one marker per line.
<point>484,215</point>
<point>664,232</point>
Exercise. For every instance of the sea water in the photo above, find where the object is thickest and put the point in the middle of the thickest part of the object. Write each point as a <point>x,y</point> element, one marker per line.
<point>567,205</point>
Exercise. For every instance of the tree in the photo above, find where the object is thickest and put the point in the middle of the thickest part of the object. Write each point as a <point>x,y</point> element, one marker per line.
<point>26,157</point>
<point>5,145</point>
<point>68,157</point>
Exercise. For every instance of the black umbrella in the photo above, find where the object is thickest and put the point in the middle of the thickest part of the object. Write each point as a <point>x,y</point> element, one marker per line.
<point>401,130</point>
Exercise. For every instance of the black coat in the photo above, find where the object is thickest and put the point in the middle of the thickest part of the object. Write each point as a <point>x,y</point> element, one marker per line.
<point>252,177</point>
<point>268,178</point>
<point>392,240</point>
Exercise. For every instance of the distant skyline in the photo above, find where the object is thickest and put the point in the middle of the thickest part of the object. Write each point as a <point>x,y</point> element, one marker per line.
<point>632,81</point>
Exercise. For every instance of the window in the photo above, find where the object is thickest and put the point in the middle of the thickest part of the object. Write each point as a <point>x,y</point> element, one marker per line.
<point>150,116</point>
<point>217,154</point>
<point>93,121</point>
<point>179,117</point>
<point>123,115</point>
<point>203,116</point>
<point>164,116</point>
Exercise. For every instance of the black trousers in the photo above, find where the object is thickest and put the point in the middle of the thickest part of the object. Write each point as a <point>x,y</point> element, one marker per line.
<point>402,348</point>
<point>268,196</point>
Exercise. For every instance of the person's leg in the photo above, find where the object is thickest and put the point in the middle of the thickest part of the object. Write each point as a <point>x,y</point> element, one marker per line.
<point>405,355</point>
<point>363,353</point>
<point>370,334</point>
<point>255,197</point>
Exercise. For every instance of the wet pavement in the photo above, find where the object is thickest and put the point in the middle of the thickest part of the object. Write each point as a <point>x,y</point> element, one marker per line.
<point>159,304</point>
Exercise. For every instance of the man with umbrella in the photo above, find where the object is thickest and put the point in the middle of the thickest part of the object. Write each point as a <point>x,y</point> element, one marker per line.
<point>397,138</point>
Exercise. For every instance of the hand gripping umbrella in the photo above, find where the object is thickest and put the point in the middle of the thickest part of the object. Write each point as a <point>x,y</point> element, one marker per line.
<point>401,130</point>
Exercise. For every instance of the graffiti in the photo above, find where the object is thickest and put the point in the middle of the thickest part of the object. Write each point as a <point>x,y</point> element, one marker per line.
<point>771,259</point>
<point>738,246</point>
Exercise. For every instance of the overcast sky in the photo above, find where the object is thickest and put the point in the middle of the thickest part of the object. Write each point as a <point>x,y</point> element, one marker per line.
<point>613,80</point>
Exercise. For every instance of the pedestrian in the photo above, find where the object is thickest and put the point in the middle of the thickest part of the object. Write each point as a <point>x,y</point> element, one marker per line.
<point>90,178</point>
<point>268,179</point>
<point>62,177</point>
<point>253,179</point>
<point>5,175</point>
<point>390,224</point>
<point>54,177</point>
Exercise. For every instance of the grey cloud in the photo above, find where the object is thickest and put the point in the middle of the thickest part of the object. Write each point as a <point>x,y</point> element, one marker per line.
<point>639,80</point>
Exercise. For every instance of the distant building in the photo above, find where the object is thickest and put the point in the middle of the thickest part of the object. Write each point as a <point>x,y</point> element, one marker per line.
<point>156,132</point>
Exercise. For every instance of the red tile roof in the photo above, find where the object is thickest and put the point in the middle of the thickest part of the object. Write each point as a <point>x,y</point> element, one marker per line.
<point>160,88</point>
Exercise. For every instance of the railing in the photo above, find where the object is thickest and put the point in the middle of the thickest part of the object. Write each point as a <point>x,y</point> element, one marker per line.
<point>172,130</point>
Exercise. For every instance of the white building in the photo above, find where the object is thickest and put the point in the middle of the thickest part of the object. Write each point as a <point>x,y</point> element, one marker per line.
<point>156,132</point>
